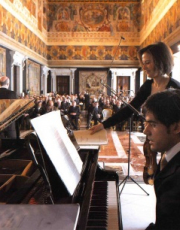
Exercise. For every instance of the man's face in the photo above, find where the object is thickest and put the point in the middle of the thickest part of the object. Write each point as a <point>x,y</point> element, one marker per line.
<point>160,138</point>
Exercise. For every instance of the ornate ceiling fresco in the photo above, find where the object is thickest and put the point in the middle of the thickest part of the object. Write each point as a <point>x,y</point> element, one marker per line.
<point>79,33</point>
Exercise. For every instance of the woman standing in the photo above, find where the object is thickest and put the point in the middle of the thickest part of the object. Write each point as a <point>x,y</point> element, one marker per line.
<point>157,62</point>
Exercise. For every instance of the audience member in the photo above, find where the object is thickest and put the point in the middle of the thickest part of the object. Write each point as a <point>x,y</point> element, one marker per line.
<point>74,113</point>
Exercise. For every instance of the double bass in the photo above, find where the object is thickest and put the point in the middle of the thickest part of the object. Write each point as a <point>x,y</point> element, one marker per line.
<point>150,165</point>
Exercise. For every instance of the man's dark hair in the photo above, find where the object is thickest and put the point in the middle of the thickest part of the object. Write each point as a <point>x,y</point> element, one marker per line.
<point>162,56</point>
<point>165,106</point>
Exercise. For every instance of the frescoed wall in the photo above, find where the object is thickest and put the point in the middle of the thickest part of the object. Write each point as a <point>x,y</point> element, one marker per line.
<point>14,29</point>
<point>168,24</point>
<point>90,30</point>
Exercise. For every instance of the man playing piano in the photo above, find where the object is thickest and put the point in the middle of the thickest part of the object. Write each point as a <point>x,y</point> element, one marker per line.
<point>162,128</point>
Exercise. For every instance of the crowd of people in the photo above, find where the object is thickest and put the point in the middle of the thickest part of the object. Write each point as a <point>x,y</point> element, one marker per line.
<point>72,105</point>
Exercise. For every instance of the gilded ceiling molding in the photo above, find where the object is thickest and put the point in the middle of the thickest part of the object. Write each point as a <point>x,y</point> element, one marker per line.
<point>93,38</point>
<point>96,63</point>
<point>12,44</point>
<point>173,38</point>
<point>159,12</point>
<point>23,15</point>
<point>94,1</point>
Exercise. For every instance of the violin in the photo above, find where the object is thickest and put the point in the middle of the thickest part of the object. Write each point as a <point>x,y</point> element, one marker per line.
<point>151,163</point>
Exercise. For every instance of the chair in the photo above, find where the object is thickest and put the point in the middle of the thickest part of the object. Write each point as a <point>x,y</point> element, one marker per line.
<point>106,114</point>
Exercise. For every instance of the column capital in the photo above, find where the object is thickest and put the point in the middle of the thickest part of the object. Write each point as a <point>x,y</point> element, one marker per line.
<point>18,58</point>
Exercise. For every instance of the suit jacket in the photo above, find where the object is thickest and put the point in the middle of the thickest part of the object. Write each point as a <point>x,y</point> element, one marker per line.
<point>167,190</point>
<point>74,110</point>
<point>12,131</point>
<point>7,94</point>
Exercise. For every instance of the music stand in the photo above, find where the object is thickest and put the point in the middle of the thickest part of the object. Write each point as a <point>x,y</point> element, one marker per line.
<point>129,154</point>
<point>129,151</point>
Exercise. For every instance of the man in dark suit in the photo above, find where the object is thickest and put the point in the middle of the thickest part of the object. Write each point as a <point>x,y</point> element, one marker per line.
<point>12,131</point>
<point>162,128</point>
<point>64,106</point>
<point>97,113</point>
<point>74,113</point>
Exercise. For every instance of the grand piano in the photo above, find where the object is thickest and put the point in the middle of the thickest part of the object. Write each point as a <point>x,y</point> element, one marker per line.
<point>97,191</point>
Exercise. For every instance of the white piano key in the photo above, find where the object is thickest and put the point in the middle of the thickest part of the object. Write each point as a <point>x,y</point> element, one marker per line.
<point>112,202</point>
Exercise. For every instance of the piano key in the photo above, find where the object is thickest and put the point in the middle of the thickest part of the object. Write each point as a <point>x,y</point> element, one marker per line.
<point>104,207</point>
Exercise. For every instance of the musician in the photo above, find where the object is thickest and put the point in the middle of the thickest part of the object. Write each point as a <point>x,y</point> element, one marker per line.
<point>157,62</point>
<point>162,128</point>
<point>74,113</point>
<point>12,131</point>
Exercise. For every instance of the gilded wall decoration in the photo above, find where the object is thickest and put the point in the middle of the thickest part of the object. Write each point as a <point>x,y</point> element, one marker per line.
<point>13,28</point>
<point>91,82</point>
<point>2,62</point>
<point>85,30</point>
<point>93,17</point>
<point>30,5</point>
<point>168,24</point>
<point>92,53</point>
<point>32,77</point>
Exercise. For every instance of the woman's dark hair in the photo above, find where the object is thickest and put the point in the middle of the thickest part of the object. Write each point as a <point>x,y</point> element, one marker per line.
<point>162,56</point>
<point>165,106</point>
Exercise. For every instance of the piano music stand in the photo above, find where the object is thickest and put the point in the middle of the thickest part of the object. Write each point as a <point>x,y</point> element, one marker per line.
<point>129,156</point>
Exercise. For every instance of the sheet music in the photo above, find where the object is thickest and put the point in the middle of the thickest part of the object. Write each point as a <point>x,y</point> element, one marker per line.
<point>84,137</point>
<point>39,217</point>
<point>60,149</point>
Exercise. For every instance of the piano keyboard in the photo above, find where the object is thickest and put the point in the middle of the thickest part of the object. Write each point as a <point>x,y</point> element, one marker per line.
<point>103,214</point>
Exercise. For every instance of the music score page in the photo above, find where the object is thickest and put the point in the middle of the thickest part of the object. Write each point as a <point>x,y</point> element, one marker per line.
<point>84,137</point>
<point>60,149</point>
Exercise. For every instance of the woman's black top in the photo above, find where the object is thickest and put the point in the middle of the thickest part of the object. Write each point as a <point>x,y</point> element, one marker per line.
<point>142,95</point>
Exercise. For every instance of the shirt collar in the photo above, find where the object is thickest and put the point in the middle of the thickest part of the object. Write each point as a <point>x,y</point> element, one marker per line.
<point>172,152</point>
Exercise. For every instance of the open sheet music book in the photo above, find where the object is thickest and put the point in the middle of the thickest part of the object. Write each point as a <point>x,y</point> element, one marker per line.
<point>60,149</point>
<point>12,109</point>
<point>84,137</point>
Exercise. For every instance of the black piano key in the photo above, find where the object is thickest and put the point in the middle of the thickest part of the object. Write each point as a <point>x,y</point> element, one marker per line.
<point>98,209</point>
<point>96,223</point>
<point>97,215</point>
<point>96,228</point>
<point>99,202</point>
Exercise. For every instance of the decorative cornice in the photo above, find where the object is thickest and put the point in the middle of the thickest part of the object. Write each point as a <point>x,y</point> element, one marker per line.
<point>161,9</point>
<point>90,1</point>
<point>173,38</point>
<point>97,63</point>
<point>23,15</point>
<point>10,43</point>
<point>105,38</point>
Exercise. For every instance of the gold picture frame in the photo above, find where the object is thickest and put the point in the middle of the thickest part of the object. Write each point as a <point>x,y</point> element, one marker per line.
<point>2,62</point>
<point>32,78</point>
